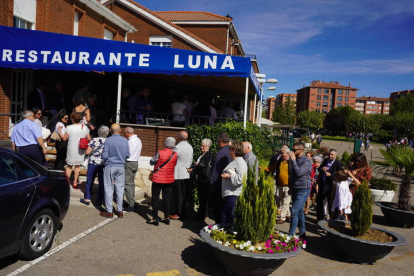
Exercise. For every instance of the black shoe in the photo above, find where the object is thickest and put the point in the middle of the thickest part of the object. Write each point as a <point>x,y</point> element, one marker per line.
<point>129,209</point>
<point>166,221</point>
<point>153,222</point>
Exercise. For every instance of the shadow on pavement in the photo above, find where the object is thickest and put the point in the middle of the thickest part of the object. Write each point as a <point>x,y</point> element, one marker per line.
<point>143,210</point>
<point>382,221</point>
<point>201,258</point>
<point>5,262</point>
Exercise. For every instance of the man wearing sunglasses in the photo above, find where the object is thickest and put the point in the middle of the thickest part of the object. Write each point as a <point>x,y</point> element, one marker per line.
<point>300,184</point>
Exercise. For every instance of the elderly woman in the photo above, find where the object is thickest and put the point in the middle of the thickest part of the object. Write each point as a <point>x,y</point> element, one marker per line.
<point>317,161</point>
<point>232,182</point>
<point>75,156</point>
<point>95,165</point>
<point>164,163</point>
<point>203,170</point>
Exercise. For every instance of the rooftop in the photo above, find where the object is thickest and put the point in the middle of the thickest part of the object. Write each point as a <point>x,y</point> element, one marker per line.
<point>369,98</point>
<point>332,84</point>
<point>197,16</point>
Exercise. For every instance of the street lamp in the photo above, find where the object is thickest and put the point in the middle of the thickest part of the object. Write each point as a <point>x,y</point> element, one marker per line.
<point>272,81</point>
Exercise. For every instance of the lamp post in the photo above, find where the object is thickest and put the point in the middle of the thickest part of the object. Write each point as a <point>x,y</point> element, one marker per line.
<point>260,103</point>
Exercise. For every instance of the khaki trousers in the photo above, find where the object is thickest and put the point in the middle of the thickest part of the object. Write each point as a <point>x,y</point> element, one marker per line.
<point>284,201</point>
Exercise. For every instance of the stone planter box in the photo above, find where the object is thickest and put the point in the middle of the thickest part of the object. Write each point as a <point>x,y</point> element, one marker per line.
<point>399,217</point>
<point>382,195</point>
<point>358,250</point>
<point>246,263</point>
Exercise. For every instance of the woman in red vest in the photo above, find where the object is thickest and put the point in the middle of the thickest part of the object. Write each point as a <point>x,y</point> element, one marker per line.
<point>162,179</point>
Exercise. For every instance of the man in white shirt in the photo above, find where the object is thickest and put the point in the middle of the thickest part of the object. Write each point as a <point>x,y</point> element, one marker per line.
<point>184,160</point>
<point>131,167</point>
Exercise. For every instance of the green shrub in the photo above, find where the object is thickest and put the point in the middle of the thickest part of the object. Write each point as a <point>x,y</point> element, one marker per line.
<point>255,213</point>
<point>382,184</point>
<point>345,158</point>
<point>305,139</point>
<point>315,145</point>
<point>361,218</point>
<point>255,135</point>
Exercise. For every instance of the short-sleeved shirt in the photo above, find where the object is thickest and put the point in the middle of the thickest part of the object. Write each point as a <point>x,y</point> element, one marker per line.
<point>178,108</point>
<point>26,133</point>
<point>97,146</point>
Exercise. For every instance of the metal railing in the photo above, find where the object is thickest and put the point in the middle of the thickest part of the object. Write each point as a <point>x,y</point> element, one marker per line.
<point>168,119</point>
<point>10,118</point>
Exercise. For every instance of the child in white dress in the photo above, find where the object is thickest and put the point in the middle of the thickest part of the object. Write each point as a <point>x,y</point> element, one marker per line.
<point>343,197</point>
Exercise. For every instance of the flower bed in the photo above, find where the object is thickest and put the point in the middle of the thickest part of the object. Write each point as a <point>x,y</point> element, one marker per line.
<point>276,243</point>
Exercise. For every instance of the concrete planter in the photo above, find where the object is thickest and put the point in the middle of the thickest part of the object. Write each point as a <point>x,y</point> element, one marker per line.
<point>382,195</point>
<point>358,250</point>
<point>399,217</point>
<point>308,145</point>
<point>246,263</point>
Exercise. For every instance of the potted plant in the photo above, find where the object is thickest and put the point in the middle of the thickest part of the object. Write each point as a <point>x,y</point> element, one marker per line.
<point>306,140</point>
<point>253,247</point>
<point>401,213</point>
<point>382,189</point>
<point>359,241</point>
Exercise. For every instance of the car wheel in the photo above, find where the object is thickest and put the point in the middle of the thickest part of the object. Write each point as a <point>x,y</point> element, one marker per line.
<point>39,235</point>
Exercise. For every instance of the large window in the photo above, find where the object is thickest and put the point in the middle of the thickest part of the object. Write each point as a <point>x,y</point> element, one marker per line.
<point>326,98</point>
<point>339,99</point>
<point>318,97</point>
<point>318,104</point>
<point>161,41</point>
<point>326,91</point>
<point>325,104</point>
<point>22,24</point>
<point>76,23</point>
<point>108,34</point>
<point>340,92</point>
<point>319,90</point>
<point>346,92</point>
<point>346,99</point>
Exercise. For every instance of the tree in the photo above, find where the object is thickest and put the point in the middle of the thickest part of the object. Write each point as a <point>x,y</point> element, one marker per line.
<point>404,123</point>
<point>285,113</point>
<point>403,104</point>
<point>357,122</point>
<point>400,156</point>
<point>336,118</point>
<point>310,119</point>
<point>361,218</point>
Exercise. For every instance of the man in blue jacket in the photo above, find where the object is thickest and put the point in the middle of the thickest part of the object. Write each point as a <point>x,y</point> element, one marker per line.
<point>300,184</point>
<point>115,154</point>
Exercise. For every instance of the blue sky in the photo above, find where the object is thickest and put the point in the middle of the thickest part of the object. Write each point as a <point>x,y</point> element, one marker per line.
<point>368,43</point>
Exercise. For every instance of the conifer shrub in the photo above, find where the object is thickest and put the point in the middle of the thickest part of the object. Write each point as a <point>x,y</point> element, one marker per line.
<point>255,213</point>
<point>361,218</point>
<point>345,158</point>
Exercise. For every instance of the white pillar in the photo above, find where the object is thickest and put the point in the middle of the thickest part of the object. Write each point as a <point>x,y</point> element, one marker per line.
<point>118,100</point>
<point>254,108</point>
<point>245,103</point>
<point>259,103</point>
<point>260,110</point>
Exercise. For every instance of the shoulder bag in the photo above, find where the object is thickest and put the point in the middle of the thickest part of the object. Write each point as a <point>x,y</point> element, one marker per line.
<point>83,142</point>
<point>159,168</point>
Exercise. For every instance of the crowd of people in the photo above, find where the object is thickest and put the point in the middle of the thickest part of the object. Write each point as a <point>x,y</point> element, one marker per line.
<point>326,185</point>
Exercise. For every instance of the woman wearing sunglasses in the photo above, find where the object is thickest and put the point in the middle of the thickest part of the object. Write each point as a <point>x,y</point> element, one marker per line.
<point>61,146</point>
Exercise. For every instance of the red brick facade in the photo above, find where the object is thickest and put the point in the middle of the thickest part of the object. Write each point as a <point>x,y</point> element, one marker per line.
<point>6,12</point>
<point>323,96</point>
<point>373,105</point>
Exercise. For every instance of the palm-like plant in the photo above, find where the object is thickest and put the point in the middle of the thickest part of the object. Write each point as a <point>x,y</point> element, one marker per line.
<point>400,157</point>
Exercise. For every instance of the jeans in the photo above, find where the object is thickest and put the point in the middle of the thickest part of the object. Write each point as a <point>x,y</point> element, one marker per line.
<point>114,175</point>
<point>299,197</point>
<point>94,170</point>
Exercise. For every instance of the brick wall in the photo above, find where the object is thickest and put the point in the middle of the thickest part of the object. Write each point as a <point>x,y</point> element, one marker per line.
<point>6,12</point>
<point>57,16</point>
<point>146,28</point>
<point>216,35</point>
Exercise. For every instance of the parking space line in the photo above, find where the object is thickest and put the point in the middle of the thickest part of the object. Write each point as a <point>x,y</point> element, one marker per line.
<point>164,273</point>
<point>62,246</point>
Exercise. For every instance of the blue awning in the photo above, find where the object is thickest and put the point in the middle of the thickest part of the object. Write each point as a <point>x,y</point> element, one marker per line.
<point>20,48</point>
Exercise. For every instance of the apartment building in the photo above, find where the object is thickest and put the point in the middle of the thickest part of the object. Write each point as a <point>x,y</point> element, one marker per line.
<point>373,105</point>
<point>395,95</point>
<point>323,96</point>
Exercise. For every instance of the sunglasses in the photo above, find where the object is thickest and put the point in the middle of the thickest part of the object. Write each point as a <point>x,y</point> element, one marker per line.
<point>39,113</point>
<point>66,118</point>
<point>294,150</point>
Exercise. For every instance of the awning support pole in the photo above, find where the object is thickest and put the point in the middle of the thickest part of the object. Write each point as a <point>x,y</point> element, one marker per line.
<point>245,103</point>
<point>254,108</point>
<point>118,101</point>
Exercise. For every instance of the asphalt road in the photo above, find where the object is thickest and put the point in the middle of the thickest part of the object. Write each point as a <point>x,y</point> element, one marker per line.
<point>129,246</point>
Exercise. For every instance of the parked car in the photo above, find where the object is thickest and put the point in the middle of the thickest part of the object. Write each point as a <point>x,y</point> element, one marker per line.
<point>322,131</point>
<point>296,133</point>
<point>33,203</point>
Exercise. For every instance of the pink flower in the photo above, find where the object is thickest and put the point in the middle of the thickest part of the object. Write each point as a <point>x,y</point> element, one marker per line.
<point>294,248</point>
<point>277,248</point>
<point>210,226</point>
<point>271,237</point>
<point>267,245</point>
<point>284,244</point>
<point>296,241</point>
<point>289,250</point>
<point>270,251</point>
<point>304,241</point>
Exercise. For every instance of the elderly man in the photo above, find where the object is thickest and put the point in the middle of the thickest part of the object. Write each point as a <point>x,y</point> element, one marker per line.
<point>250,157</point>
<point>283,170</point>
<point>300,184</point>
<point>326,176</point>
<point>27,137</point>
<point>115,154</point>
<point>184,160</point>
<point>221,161</point>
<point>131,167</point>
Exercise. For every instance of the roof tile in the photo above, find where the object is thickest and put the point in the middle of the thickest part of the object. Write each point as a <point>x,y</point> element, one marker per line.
<point>192,16</point>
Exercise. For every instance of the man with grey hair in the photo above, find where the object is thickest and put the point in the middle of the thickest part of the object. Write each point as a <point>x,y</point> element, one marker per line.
<point>115,154</point>
<point>184,160</point>
<point>131,167</point>
<point>250,157</point>
<point>27,139</point>
<point>326,171</point>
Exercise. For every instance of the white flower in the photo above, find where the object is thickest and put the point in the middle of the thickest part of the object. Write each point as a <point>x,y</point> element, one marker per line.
<point>241,246</point>
<point>276,241</point>
<point>219,242</point>
<point>237,246</point>
<point>296,237</point>
<point>251,248</point>
<point>235,233</point>
<point>304,246</point>
<point>259,248</point>
<point>208,231</point>
<point>215,227</point>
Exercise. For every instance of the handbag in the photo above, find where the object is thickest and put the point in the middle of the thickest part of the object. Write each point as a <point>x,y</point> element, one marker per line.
<point>83,142</point>
<point>159,168</point>
<point>55,136</point>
